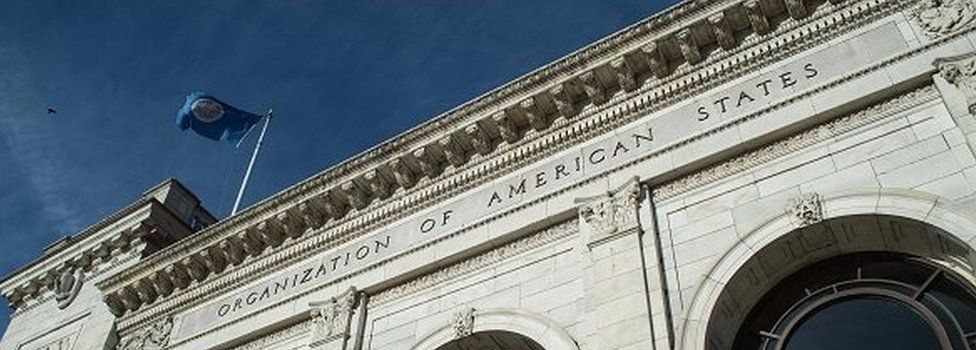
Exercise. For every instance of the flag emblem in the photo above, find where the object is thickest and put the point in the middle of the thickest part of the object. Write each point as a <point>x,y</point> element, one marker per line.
<point>207,110</point>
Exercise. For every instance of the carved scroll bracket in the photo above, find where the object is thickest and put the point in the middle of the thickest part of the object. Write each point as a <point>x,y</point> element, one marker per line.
<point>611,214</point>
<point>331,320</point>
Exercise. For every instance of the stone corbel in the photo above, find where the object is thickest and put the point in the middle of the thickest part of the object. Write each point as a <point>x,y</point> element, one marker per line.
<point>402,173</point>
<point>533,114</point>
<point>611,215</point>
<point>355,195</point>
<point>722,30</point>
<point>625,74</point>
<point>593,87</point>
<point>796,8</point>
<point>688,45</point>
<point>756,16</point>
<point>378,185</point>
<point>563,100</point>
<point>506,127</point>
<point>479,139</point>
<point>331,320</point>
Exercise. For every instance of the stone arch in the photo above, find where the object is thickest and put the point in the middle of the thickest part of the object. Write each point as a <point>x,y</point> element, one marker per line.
<point>538,328</point>
<point>910,222</point>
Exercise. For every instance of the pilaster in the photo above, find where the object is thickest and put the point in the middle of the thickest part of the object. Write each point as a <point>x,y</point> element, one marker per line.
<point>616,309</point>
<point>956,81</point>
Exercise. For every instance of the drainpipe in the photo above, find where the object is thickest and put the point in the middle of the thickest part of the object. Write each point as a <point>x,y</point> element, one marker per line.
<point>662,273</point>
<point>361,323</point>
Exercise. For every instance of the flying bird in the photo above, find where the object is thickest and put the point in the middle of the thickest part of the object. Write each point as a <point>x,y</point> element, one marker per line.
<point>51,111</point>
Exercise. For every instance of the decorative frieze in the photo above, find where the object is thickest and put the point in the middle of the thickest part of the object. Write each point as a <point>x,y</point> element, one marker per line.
<point>331,319</point>
<point>156,336</point>
<point>944,17</point>
<point>463,323</point>
<point>805,210</point>
<point>612,213</point>
<point>960,71</point>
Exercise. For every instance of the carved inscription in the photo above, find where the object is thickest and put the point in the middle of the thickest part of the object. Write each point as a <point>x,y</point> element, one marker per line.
<point>760,93</point>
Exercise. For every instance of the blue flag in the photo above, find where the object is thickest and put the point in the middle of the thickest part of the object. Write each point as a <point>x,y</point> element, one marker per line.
<point>214,119</point>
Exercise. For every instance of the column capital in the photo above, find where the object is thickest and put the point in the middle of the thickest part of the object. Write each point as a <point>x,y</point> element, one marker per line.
<point>611,214</point>
<point>331,319</point>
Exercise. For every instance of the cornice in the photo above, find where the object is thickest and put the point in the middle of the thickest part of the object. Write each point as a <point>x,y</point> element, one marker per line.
<point>82,238</point>
<point>593,120</point>
<point>99,248</point>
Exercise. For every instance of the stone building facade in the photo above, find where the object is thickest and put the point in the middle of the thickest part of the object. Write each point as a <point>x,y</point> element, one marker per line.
<point>726,174</point>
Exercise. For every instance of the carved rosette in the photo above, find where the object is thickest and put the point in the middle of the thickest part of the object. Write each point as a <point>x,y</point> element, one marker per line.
<point>463,323</point>
<point>805,210</point>
<point>152,337</point>
<point>331,319</point>
<point>944,17</point>
<point>612,213</point>
<point>67,285</point>
<point>960,72</point>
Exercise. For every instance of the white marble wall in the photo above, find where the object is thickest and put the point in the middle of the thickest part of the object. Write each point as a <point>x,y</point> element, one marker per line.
<point>546,281</point>
<point>919,150</point>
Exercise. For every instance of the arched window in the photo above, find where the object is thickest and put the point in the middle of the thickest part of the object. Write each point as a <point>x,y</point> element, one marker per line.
<point>493,340</point>
<point>864,301</point>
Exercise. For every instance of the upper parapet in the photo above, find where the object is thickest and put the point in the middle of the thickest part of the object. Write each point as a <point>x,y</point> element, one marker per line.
<point>164,215</point>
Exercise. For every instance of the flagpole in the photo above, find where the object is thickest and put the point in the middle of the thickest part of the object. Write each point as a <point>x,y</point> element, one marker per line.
<point>250,166</point>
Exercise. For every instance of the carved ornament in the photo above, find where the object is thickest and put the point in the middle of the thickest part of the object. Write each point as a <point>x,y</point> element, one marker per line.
<point>153,337</point>
<point>67,285</point>
<point>463,323</point>
<point>612,213</point>
<point>944,17</point>
<point>331,319</point>
<point>960,71</point>
<point>806,209</point>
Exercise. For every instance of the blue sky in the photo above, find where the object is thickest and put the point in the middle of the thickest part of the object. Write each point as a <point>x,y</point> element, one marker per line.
<point>342,76</point>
